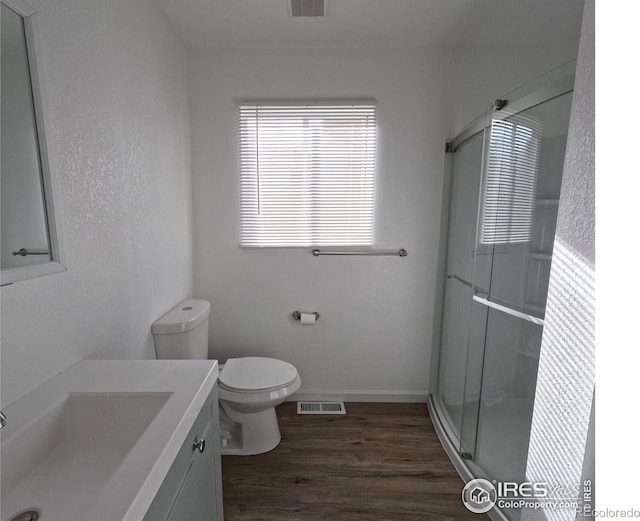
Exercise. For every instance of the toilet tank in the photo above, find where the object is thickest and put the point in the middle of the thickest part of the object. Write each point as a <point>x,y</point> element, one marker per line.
<point>183,332</point>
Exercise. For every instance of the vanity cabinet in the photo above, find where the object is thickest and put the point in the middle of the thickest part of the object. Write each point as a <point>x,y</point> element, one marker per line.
<point>192,489</point>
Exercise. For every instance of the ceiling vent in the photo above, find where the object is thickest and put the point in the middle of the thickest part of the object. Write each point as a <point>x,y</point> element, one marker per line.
<point>307,8</point>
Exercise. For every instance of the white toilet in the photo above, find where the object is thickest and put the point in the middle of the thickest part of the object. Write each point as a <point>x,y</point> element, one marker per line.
<point>248,388</point>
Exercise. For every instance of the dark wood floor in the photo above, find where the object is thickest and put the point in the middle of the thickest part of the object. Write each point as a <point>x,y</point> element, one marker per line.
<point>378,462</point>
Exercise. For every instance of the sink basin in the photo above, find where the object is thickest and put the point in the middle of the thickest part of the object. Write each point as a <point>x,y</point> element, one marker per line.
<point>77,445</point>
<point>95,442</point>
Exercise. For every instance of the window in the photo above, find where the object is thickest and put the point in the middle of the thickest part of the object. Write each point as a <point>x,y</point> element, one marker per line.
<point>307,173</point>
<point>511,180</point>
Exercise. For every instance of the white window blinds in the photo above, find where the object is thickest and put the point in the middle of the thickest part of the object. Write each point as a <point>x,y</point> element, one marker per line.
<point>511,180</point>
<point>307,173</point>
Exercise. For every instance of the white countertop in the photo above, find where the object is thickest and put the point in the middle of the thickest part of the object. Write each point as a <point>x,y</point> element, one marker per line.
<point>127,491</point>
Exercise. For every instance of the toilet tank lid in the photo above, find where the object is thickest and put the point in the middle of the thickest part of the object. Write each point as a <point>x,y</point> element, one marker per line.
<point>187,315</point>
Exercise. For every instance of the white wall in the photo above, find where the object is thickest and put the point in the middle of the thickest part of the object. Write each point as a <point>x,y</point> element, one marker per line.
<point>482,75</point>
<point>376,313</point>
<point>116,80</point>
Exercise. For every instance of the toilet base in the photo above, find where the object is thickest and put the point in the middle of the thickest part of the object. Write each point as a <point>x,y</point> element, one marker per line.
<point>247,434</point>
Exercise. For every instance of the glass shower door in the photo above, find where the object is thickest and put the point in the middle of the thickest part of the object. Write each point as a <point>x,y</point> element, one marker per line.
<point>466,172</point>
<point>516,227</point>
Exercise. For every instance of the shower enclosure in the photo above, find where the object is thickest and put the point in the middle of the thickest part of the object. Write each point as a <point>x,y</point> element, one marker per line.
<point>504,190</point>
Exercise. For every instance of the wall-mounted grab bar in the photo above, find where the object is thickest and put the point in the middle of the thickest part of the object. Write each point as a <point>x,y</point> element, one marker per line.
<point>400,253</point>
<point>23,252</point>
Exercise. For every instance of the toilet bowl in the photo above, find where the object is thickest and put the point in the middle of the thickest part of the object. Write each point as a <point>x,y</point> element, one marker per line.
<point>249,388</point>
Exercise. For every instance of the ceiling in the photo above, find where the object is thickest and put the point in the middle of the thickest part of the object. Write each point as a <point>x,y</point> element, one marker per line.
<point>375,23</point>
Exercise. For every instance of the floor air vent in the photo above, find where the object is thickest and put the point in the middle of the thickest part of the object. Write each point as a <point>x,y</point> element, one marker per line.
<point>321,408</point>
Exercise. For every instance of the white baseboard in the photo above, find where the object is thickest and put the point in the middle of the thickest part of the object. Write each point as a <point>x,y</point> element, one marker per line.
<point>337,395</point>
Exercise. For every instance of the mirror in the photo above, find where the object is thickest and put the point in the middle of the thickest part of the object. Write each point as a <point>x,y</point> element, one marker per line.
<point>28,241</point>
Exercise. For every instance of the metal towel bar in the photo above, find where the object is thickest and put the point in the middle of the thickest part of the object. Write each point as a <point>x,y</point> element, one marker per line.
<point>23,252</point>
<point>400,253</point>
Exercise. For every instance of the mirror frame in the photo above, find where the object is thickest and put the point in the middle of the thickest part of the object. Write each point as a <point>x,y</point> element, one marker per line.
<point>47,159</point>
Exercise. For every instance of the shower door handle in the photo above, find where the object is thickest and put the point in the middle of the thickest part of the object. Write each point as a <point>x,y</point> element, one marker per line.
<point>484,300</point>
<point>460,280</point>
<point>466,283</point>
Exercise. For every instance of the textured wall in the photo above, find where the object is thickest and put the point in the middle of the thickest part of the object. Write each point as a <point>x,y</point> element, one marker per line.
<point>566,375</point>
<point>116,82</point>
<point>374,332</point>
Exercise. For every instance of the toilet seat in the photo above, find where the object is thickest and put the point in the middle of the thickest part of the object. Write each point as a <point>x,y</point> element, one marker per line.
<point>256,374</point>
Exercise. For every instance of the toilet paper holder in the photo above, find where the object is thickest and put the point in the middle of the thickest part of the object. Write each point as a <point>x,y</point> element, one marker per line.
<point>296,315</point>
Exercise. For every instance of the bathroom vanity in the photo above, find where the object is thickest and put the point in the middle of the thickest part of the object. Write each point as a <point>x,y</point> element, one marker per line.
<point>192,489</point>
<point>134,440</point>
